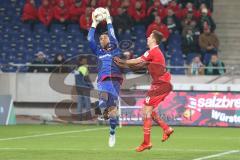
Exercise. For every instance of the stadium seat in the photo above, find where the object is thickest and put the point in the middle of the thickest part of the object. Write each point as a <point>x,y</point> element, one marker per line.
<point>40,29</point>
<point>5,46</point>
<point>125,36</point>
<point>6,37</point>
<point>207,58</point>
<point>19,3</point>
<point>9,68</point>
<point>140,29</point>
<point>56,28</point>
<point>73,28</point>
<point>139,49</point>
<point>190,57</point>
<point>23,69</point>
<point>3,56</point>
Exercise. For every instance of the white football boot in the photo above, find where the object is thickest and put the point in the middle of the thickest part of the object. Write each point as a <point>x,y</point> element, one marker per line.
<point>112,140</point>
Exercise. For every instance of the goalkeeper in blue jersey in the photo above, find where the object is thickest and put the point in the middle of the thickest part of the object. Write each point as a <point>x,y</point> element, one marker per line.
<point>109,74</point>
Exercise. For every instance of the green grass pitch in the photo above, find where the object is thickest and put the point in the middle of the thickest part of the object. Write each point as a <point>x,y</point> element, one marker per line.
<point>78,142</point>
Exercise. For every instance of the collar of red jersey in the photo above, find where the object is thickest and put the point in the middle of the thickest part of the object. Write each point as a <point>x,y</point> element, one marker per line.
<point>154,47</point>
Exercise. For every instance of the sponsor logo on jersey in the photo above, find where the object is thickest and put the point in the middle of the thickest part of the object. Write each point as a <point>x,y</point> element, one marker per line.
<point>146,54</point>
<point>105,55</point>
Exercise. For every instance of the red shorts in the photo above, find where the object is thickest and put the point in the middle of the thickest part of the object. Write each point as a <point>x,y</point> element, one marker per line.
<point>157,93</point>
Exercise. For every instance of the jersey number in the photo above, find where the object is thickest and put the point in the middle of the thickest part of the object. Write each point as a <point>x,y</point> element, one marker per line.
<point>147,100</point>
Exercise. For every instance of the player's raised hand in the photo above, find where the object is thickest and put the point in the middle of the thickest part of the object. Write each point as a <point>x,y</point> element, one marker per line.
<point>108,18</point>
<point>120,62</point>
<point>94,21</point>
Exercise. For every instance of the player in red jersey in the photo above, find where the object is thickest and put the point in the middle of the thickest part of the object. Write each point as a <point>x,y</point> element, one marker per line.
<point>160,87</point>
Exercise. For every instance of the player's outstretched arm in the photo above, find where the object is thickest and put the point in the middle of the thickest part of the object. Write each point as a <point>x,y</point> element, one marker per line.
<point>111,32</point>
<point>91,34</point>
<point>138,62</point>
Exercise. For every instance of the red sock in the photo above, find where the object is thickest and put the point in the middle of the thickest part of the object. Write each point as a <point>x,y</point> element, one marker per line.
<point>147,125</point>
<point>159,121</point>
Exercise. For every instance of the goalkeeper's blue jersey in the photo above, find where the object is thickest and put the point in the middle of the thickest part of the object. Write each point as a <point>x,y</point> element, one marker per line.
<point>106,66</point>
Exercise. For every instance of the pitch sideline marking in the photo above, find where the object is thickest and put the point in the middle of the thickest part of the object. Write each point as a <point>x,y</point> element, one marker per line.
<point>51,134</point>
<point>218,155</point>
<point>13,149</point>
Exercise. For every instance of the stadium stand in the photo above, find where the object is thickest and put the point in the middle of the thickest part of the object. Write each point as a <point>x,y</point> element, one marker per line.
<point>21,40</point>
<point>228,24</point>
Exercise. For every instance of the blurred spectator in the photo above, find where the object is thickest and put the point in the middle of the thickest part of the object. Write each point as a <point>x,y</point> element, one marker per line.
<point>208,41</point>
<point>114,7</point>
<point>172,22</point>
<point>143,3</point>
<point>150,3</point>
<point>76,10</point>
<point>138,13</point>
<point>159,26</point>
<point>188,22</point>
<point>126,4</point>
<point>189,8</point>
<point>91,3</point>
<point>208,3</point>
<point>215,62</point>
<point>60,60</point>
<point>198,12</point>
<point>82,80</point>
<point>175,8</point>
<point>184,3</point>
<point>69,3</point>
<point>157,7</point>
<point>39,60</point>
<point>165,2</point>
<point>155,10</point>
<point>104,3</point>
<point>206,19</point>
<point>51,2</point>
<point>86,20</point>
<point>123,21</point>
<point>30,13</point>
<point>190,43</point>
<point>61,12</point>
<point>196,67</point>
<point>45,13</point>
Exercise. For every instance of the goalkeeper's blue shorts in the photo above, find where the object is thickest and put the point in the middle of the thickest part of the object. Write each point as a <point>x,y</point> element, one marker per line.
<point>112,88</point>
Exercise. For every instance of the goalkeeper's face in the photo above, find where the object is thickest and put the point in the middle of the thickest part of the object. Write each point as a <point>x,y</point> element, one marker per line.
<point>104,41</point>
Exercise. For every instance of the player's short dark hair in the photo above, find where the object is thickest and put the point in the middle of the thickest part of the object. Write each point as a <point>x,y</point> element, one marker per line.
<point>104,33</point>
<point>158,36</point>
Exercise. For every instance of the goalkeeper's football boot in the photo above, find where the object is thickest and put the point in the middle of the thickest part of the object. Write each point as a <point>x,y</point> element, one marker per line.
<point>143,147</point>
<point>112,140</point>
<point>167,133</point>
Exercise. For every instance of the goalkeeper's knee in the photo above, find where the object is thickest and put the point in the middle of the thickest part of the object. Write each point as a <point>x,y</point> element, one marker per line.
<point>102,103</point>
<point>103,98</point>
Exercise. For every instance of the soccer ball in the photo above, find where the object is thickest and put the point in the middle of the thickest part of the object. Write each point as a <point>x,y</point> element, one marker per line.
<point>100,14</point>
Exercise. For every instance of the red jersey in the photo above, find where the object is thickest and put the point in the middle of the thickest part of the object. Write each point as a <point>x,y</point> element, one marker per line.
<point>157,65</point>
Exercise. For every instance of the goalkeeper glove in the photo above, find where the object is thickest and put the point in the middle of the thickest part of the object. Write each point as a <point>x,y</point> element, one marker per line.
<point>94,21</point>
<point>108,18</point>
